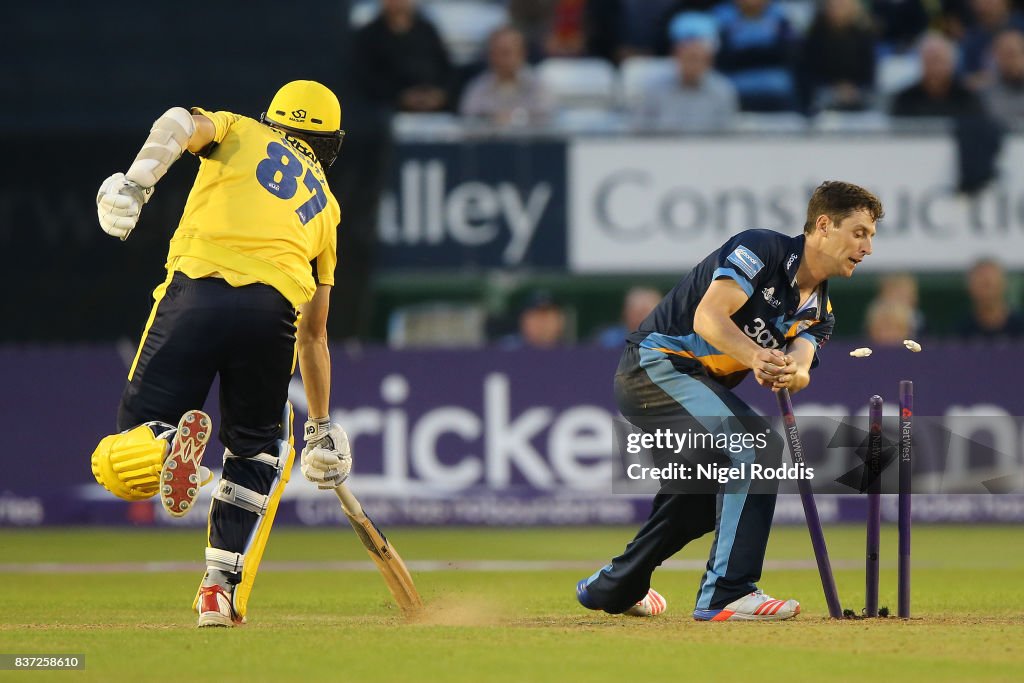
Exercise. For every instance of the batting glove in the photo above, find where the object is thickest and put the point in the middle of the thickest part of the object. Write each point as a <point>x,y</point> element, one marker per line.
<point>327,457</point>
<point>118,205</point>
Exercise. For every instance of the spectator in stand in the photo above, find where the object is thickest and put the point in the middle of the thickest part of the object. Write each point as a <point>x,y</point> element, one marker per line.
<point>604,25</point>
<point>939,93</point>
<point>402,61</point>
<point>642,24</point>
<point>637,305</point>
<point>533,19</point>
<point>838,58</point>
<point>899,23</point>
<point>402,66</point>
<point>610,29</point>
<point>954,17</point>
<point>566,36</point>
<point>990,317</point>
<point>990,17</point>
<point>888,322</point>
<point>541,324</point>
<point>902,288</point>
<point>756,53</point>
<point>699,99</point>
<point>508,93</point>
<point>1004,97</point>
<point>664,43</point>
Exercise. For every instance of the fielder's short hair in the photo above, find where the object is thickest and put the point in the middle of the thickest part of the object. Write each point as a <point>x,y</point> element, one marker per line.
<point>837,200</point>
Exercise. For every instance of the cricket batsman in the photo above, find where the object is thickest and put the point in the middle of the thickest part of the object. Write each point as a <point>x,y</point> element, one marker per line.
<point>759,305</point>
<point>249,275</point>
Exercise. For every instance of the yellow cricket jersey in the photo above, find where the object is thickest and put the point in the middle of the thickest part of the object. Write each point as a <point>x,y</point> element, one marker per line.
<point>259,211</point>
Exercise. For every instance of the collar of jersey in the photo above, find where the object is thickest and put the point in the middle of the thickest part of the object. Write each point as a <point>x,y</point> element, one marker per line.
<point>791,265</point>
<point>796,248</point>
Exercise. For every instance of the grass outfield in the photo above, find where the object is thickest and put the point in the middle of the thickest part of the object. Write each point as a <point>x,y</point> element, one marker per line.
<point>312,618</point>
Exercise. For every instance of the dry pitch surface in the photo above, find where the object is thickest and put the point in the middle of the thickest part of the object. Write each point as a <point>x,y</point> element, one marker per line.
<point>500,607</point>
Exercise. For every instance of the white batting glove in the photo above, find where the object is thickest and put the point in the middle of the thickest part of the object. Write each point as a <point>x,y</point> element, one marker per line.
<point>327,457</point>
<point>118,205</point>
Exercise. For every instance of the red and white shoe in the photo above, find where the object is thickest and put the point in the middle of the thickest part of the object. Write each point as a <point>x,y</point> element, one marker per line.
<point>181,474</point>
<point>215,608</point>
<point>651,606</point>
<point>756,606</point>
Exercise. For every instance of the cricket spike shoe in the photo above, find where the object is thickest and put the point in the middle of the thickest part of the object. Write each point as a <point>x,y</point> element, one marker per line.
<point>182,472</point>
<point>583,596</point>
<point>651,606</point>
<point>756,606</point>
<point>215,608</point>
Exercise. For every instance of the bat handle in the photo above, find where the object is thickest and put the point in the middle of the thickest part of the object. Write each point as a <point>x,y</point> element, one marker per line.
<point>348,500</point>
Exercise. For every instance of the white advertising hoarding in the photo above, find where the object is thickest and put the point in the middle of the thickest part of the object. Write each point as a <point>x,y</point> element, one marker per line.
<point>661,205</point>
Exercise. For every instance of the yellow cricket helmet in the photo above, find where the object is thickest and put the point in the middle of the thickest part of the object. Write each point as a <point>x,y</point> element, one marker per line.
<point>309,111</point>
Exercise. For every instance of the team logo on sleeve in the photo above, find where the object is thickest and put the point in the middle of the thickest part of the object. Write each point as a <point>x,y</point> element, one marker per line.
<point>769,296</point>
<point>746,260</point>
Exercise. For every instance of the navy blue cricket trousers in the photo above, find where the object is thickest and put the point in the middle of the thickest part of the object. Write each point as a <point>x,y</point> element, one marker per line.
<point>651,387</point>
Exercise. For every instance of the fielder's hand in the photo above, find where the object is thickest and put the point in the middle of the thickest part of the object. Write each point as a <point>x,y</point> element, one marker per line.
<point>119,203</point>
<point>327,458</point>
<point>771,366</point>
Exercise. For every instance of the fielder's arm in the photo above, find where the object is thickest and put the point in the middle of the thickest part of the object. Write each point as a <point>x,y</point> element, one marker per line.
<point>327,457</point>
<point>712,320</point>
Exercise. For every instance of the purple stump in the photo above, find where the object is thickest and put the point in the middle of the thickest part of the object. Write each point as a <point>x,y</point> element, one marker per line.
<point>906,449</point>
<point>796,452</point>
<point>873,467</point>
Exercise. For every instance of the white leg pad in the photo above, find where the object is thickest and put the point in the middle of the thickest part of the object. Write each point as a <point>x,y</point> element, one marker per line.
<point>239,496</point>
<point>224,560</point>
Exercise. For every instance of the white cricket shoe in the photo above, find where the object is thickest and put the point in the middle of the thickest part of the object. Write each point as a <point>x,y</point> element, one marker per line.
<point>756,606</point>
<point>652,605</point>
<point>215,608</point>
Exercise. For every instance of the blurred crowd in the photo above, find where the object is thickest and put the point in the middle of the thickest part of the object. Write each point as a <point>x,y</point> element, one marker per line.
<point>894,314</point>
<point>543,320</point>
<point>664,66</point>
<point>691,65</point>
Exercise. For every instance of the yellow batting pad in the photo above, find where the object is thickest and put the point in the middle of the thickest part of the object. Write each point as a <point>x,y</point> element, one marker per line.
<point>258,543</point>
<point>128,464</point>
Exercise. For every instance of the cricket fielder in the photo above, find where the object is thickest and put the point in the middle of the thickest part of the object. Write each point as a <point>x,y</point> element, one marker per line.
<point>758,304</point>
<point>249,275</point>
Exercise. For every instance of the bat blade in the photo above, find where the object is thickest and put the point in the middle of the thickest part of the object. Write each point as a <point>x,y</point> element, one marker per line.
<point>382,552</point>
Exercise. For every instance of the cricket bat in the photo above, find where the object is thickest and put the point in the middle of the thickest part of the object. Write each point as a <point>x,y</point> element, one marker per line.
<point>389,563</point>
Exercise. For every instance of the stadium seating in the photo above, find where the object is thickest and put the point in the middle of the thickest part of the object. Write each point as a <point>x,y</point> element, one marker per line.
<point>579,83</point>
<point>851,122</point>
<point>775,122</point>
<point>896,72</point>
<point>638,74</point>
<point>799,12</point>
<point>437,325</point>
<point>586,120</point>
<point>465,25</point>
